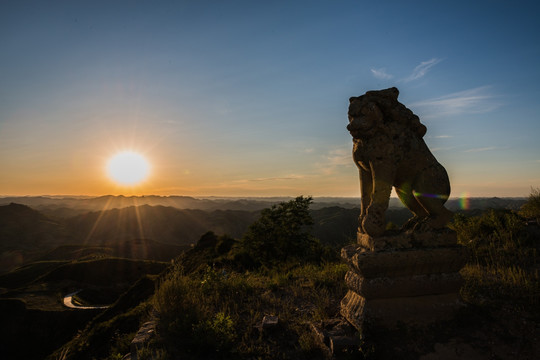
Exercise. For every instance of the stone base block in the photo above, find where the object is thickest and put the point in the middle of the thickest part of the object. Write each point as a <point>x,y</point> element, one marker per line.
<point>418,310</point>
<point>397,279</point>
<point>389,312</point>
<point>442,237</point>
<point>336,336</point>
<point>353,309</point>
<point>405,262</point>
<point>405,286</point>
<point>389,241</point>
<point>392,240</point>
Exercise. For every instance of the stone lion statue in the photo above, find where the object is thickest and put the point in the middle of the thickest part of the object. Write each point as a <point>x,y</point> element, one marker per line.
<point>389,151</point>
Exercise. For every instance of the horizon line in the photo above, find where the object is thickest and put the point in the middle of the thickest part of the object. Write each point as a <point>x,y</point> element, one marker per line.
<point>239,196</point>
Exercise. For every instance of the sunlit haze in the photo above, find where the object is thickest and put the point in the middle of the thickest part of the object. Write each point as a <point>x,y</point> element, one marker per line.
<point>249,98</point>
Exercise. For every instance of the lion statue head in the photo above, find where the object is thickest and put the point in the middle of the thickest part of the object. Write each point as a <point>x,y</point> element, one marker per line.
<point>381,112</point>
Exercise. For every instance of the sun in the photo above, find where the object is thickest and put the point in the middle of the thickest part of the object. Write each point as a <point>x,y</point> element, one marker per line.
<point>128,168</point>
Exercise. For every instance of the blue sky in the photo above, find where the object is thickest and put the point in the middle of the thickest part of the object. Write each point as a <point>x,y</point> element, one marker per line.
<point>249,98</point>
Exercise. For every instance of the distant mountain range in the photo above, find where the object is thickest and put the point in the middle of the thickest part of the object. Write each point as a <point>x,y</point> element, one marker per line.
<point>59,206</point>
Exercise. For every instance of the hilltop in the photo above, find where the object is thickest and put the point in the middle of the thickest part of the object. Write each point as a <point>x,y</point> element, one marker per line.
<point>121,255</point>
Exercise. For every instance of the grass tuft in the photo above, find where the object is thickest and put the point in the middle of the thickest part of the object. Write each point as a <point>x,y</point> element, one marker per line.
<point>215,313</point>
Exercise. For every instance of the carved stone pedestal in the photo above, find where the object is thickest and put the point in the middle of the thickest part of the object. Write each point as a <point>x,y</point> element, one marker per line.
<point>402,281</point>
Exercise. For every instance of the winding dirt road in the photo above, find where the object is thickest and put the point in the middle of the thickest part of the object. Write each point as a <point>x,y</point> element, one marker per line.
<point>68,302</point>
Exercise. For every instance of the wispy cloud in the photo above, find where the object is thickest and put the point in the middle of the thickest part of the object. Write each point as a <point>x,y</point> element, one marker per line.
<point>381,74</point>
<point>488,148</point>
<point>440,137</point>
<point>443,149</point>
<point>422,69</point>
<point>335,159</point>
<point>419,71</point>
<point>339,157</point>
<point>290,177</point>
<point>477,100</point>
<point>272,178</point>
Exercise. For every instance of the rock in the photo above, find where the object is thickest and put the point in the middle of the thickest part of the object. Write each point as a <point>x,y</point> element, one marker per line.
<point>143,336</point>
<point>336,336</point>
<point>320,333</point>
<point>340,344</point>
<point>269,321</point>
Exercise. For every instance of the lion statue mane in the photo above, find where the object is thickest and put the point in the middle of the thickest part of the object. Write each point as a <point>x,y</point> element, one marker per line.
<point>389,151</point>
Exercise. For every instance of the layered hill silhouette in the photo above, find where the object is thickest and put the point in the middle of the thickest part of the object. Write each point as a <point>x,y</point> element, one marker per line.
<point>67,206</point>
<point>57,228</point>
<point>164,224</point>
<point>24,228</point>
<point>143,232</point>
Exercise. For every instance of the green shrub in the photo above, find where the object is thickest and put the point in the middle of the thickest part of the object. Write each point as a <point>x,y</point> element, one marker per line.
<point>495,237</point>
<point>178,305</point>
<point>504,262</point>
<point>531,209</point>
<point>510,284</point>
<point>149,353</point>
<point>281,233</point>
<point>217,333</point>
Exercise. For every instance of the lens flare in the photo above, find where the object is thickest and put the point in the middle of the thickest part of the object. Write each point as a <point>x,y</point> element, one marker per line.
<point>428,195</point>
<point>464,201</point>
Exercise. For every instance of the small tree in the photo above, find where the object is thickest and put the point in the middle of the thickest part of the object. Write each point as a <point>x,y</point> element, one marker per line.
<point>531,209</point>
<point>282,232</point>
